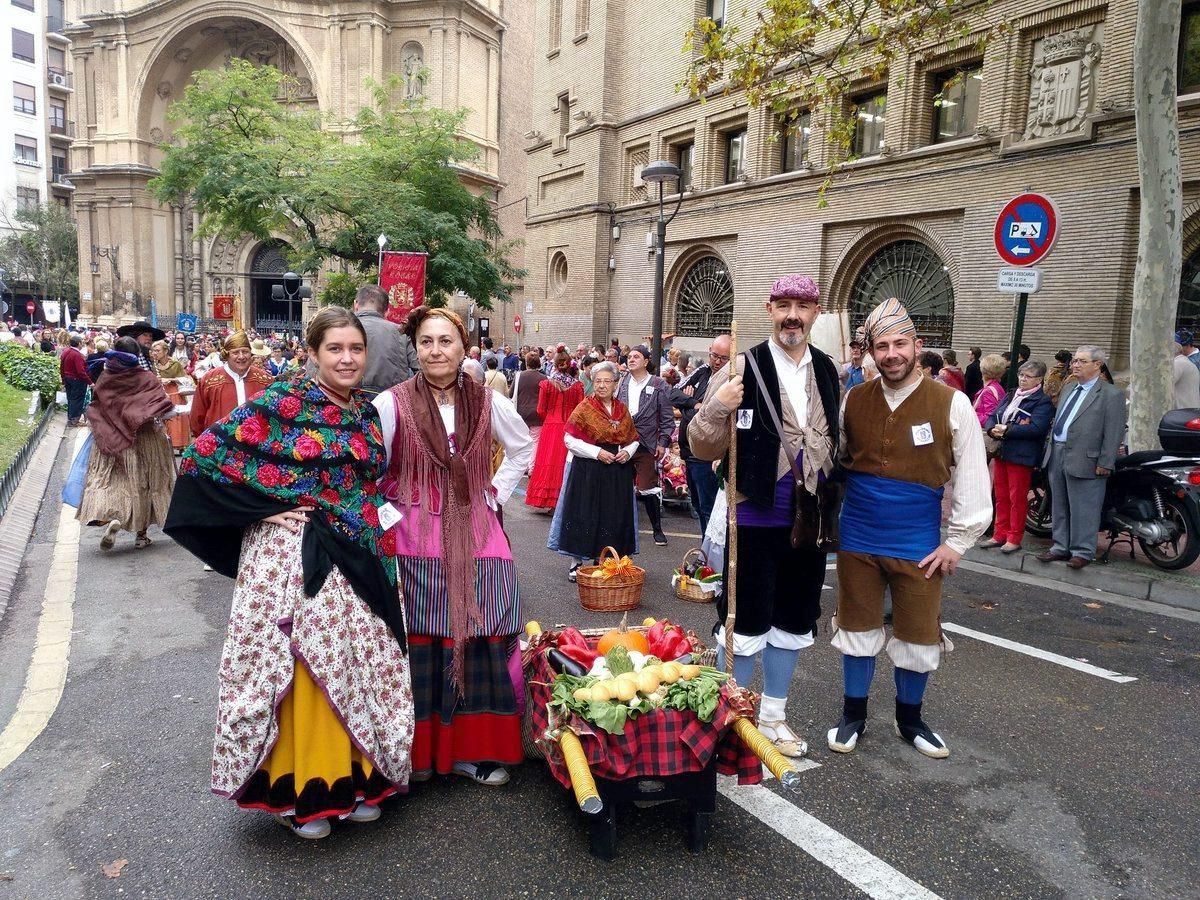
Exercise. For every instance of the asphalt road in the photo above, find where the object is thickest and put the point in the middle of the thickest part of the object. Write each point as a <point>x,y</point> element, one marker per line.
<point>1060,783</point>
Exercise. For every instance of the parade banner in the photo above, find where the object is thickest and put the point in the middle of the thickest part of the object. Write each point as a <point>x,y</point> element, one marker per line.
<point>51,311</point>
<point>222,306</point>
<point>402,277</point>
<point>186,323</point>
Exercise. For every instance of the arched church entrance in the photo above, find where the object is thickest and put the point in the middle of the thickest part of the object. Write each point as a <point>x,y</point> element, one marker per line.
<point>267,267</point>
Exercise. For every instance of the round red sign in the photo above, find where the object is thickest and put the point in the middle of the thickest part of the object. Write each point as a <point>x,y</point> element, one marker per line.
<point>517,324</point>
<point>1026,229</point>
<point>30,306</point>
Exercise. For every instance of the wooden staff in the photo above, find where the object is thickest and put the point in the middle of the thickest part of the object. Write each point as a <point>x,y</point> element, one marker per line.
<point>731,531</point>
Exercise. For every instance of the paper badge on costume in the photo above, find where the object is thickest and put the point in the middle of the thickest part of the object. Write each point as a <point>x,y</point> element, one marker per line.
<point>745,419</point>
<point>922,434</point>
<point>389,515</point>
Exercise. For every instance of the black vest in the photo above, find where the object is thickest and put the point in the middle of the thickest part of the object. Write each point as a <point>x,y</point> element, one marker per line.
<point>758,445</point>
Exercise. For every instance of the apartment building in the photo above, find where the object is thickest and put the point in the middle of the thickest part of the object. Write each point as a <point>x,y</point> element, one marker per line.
<point>942,142</point>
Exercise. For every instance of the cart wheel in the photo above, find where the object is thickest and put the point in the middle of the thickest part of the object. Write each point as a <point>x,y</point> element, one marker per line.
<point>697,830</point>
<point>604,834</point>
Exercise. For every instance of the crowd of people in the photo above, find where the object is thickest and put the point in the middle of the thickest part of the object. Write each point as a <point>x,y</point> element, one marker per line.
<point>354,482</point>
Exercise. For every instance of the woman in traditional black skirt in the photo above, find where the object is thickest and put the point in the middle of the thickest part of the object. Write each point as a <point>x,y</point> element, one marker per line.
<point>596,509</point>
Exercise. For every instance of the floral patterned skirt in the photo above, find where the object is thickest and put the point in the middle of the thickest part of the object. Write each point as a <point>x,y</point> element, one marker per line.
<point>315,709</point>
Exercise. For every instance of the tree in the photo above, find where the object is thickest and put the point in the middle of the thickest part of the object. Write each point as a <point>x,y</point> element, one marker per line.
<point>340,288</point>
<point>810,54</point>
<point>1160,225</point>
<point>253,163</point>
<point>43,251</point>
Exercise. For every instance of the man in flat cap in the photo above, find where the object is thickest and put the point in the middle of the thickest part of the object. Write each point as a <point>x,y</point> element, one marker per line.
<point>785,408</point>
<point>145,334</point>
<point>904,437</point>
<point>229,385</point>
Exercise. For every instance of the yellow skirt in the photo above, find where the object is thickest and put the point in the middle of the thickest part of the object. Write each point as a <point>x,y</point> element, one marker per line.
<point>314,771</point>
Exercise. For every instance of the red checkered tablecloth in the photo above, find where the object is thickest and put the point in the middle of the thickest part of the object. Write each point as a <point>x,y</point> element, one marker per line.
<point>664,742</point>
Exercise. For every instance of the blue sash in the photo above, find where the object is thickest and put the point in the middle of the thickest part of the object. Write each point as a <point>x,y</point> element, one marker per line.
<point>885,517</point>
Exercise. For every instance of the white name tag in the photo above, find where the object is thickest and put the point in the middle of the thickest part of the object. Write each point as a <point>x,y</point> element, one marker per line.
<point>389,515</point>
<point>649,391</point>
<point>922,434</point>
<point>745,419</point>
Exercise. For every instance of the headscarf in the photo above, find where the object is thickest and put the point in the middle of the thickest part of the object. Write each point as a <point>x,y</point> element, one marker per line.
<point>889,317</point>
<point>235,341</point>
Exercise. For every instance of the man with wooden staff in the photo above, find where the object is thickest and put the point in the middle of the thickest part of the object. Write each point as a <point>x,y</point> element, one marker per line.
<point>778,585</point>
<point>904,437</point>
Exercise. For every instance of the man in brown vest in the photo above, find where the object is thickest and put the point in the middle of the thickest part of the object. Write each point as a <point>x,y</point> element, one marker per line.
<point>904,437</point>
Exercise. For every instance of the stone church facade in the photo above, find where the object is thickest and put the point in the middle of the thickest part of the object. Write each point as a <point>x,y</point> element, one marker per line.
<point>944,140</point>
<point>132,60</point>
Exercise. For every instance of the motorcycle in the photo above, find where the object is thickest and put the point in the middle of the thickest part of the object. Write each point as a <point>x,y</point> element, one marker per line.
<point>1152,496</point>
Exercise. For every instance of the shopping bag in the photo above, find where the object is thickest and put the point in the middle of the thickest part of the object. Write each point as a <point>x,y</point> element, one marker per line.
<point>72,492</point>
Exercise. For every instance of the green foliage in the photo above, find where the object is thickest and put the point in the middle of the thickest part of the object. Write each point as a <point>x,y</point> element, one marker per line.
<point>256,165</point>
<point>30,370</point>
<point>43,250</point>
<point>14,426</point>
<point>812,54</point>
<point>340,288</point>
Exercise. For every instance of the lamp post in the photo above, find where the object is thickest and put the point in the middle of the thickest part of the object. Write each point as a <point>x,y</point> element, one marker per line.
<point>382,241</point>
<point>292,291</point>
<point>659,173</point>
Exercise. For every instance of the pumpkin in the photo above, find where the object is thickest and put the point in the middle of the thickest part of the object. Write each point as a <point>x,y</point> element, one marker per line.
<point>622,637</point>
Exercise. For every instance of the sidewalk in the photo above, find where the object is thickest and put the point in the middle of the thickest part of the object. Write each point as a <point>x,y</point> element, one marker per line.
<point>1137,578</point>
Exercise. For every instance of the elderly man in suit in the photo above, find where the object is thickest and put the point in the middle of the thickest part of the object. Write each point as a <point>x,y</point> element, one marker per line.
<point>1087,431</point>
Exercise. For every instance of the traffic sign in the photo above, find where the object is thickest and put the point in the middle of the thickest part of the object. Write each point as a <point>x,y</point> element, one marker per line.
<point>517,324</point>
<point>1019,281</point>
<point>1026,229</point>
<point>30,306</point>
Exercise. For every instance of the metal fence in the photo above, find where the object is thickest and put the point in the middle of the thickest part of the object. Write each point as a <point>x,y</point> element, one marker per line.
<point>12,475</point>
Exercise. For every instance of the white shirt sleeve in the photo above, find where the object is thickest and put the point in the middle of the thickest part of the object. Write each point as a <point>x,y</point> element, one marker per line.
<point>386,404</point>
<point>577,447</point>
<point>512,432</point>
<point>970,484</point>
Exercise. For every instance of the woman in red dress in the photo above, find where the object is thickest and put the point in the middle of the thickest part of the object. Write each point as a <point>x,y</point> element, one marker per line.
<point>557,398</point>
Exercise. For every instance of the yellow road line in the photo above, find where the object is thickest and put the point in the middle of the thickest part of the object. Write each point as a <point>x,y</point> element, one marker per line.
<point>47,673</point>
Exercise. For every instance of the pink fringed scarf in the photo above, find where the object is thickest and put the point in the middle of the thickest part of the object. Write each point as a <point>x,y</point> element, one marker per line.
<point>431,476</point>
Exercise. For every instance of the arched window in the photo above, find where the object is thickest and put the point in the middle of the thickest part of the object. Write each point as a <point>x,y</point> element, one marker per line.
<point>914,274</point>
<point>269,259</point>
<point>704,307</point>
<point>1188,314</point>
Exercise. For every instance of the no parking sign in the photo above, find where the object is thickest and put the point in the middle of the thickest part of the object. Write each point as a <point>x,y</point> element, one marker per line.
<point>1026,229</point>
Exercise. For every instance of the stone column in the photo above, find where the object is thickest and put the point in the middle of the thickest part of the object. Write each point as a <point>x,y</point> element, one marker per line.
<point>195,293</point>
<point>181,303</point>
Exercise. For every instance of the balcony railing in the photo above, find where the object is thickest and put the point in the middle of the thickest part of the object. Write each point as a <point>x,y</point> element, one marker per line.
<point>62,179</point>
<point>65,129</point>
<point>59,78</point>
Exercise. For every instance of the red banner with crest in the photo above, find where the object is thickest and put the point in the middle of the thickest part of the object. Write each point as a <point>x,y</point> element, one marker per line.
<point>402,277</point>
<point>222,306</point>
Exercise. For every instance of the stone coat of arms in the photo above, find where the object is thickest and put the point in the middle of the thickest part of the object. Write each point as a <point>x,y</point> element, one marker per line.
<point>1062,82</point>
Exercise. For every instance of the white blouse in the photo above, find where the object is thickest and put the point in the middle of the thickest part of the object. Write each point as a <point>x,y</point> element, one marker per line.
<point>507,427</point>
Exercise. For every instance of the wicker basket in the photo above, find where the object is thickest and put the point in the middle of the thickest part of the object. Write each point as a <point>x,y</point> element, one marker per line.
<point>616,594</point>
<point>689,588</point>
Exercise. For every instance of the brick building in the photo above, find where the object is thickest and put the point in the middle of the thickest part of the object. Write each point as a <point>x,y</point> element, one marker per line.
<point>133,59</point>
<point>1047,107</point>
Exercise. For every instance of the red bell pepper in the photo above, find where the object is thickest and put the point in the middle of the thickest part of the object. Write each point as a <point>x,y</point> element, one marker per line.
<point>571,637</point>
<point>667,641</point>
<point>582,655</point>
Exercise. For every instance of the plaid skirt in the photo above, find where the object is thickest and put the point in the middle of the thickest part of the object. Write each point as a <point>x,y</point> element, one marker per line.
<point>483,725</point>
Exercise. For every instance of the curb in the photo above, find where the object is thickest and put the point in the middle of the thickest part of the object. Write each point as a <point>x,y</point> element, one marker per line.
<point>1167,588</point>
<point>17,525</point>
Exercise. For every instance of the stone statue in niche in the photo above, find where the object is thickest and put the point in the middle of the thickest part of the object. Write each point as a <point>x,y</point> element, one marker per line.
<point>1062,82</point>
<point>260,52</point>
<point>164,89</point>
<point>412,57</point>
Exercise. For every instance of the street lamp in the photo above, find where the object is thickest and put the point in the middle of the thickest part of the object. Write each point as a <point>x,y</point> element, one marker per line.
<point>382,241</point>
<point>659,173</point>
<point>291,291</point>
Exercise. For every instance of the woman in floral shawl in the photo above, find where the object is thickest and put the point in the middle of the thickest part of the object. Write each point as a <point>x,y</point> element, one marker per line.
<point>597,507</point>
<point>456,569</point>
<point>315,717</point>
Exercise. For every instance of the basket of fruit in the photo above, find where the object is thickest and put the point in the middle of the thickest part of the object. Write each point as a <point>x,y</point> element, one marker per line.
<point>615,585</point>
<point>695,580</point>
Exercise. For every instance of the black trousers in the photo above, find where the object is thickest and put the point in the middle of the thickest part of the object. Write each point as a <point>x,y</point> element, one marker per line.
<point>778,586</point>
<point>76,392</point>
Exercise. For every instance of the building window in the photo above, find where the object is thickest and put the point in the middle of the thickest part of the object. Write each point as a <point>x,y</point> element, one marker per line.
<point>56,60</point>
<point>793,142</point>
<point>25,149</point>
<point>704,307</point>
<point>1189,49</point>
<point>24,4</point>
<point>910,270</point>
<point>735,156</point>
<point>558,274</point>
<point>555,24</point>
<point>55,15</point>
<point>870,114</point>
<point>716,11</point>
<point>684,157</point>
<point>956,103</point>
<point>29,198</point>
<point>58,117</point>
<point>58,165</point>
<point>639,158</point>
<point>22,43</point>
<point>25,98</point>
<point>564,119</point>
<point>583,17</point>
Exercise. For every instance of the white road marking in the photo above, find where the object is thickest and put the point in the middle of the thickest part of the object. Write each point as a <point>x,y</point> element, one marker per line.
<point>47,673</point>
<point>1075,664</point>
<point>847,859</point>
